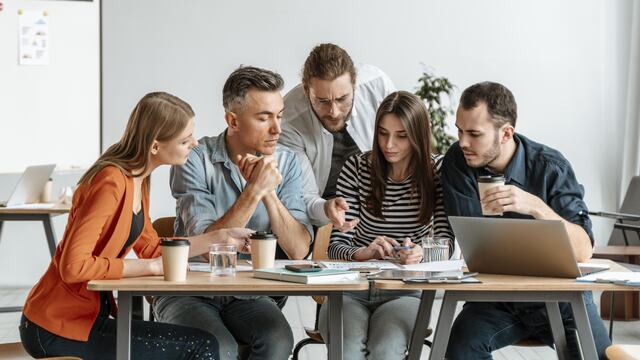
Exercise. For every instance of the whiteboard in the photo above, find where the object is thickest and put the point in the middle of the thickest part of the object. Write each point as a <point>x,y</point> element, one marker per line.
<point>51,113</point>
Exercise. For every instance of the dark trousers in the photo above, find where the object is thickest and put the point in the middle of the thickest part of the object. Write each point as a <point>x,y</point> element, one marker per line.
<point>149,340</point>
<point>485,327</point>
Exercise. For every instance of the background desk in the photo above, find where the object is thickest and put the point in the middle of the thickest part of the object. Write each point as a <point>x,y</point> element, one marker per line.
<point>243,283</point>
<point>25,214</point>
<point>509,289</point>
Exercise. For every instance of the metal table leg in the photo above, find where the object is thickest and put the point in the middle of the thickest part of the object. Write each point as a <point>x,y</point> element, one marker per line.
<point>421,325</point>
<point>335,325</point>
<point>443,329</point>
<point>581,319</point>
<point>557,329</point>
<point>123,338</point>
<point>51,236</point>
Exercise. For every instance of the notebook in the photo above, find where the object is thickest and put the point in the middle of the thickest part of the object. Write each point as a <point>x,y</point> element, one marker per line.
<point>325,276</point>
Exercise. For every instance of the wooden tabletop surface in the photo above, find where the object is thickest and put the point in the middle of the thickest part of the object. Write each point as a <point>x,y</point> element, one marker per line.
<point>56,209</point>
<point>203,281</point>
<point>492,282</point>
<point>620,250</point>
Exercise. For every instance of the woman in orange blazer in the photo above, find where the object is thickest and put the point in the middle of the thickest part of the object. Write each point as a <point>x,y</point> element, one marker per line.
<point>108,218</point>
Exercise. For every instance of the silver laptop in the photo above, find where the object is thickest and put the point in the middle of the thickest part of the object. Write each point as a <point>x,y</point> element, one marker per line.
<point>517,247</point>
<point>30,185</point>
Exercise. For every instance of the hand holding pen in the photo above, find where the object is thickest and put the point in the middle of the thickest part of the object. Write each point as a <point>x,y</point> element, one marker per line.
<point>408,252</point>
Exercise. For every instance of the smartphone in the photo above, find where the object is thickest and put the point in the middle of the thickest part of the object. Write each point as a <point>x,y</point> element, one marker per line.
<point>303,267</point>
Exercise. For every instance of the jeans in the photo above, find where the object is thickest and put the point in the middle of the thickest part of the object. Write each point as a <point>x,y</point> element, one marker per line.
<point>149,340</point>
<point>257,322</point>
<point>377,323</point>
<point>485,327</point>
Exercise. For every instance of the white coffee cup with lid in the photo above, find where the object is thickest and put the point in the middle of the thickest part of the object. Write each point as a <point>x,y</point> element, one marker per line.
<point>263,250</point>
<point>175,259</point>
<point>485,183</point>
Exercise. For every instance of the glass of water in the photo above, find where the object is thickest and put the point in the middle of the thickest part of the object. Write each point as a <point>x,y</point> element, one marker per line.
<point>435,248</point>
<point>223,260</point>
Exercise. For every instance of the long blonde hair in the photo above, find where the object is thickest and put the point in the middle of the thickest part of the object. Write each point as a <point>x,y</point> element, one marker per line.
<point>157,116</point>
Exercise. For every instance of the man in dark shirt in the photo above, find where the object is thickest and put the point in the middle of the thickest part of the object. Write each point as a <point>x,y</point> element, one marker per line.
<point>539,184</point>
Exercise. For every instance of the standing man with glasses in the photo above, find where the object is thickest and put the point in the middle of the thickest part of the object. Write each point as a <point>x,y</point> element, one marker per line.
<point>327,118</point>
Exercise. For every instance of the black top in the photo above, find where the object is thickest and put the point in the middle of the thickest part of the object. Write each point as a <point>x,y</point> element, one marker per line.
<point>534,168</point>
<point>137,224</point>
<point>343,148</point>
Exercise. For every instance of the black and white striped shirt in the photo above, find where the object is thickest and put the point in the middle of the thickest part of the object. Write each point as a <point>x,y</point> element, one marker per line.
<point>400,210</point>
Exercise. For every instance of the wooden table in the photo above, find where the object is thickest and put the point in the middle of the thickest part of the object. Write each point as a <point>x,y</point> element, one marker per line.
<point>30,214</point>
<point>624,306</point>
<point>201,284</point>
<point>508,289</point>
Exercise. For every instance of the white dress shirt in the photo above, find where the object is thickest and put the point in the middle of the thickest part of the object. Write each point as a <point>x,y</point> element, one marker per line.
<point>303,132</point>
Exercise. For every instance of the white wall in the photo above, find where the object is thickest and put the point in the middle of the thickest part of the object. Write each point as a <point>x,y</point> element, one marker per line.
<point>565,61</point>
<point>48,114</point>
<point>54,109</point>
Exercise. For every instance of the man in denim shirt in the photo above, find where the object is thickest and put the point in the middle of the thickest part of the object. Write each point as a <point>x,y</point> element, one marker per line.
<point>242,178</point>
<point>540,184</point>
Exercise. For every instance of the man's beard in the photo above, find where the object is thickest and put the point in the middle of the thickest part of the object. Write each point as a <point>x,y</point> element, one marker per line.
<point>333,129</point>
<point>490,155</point>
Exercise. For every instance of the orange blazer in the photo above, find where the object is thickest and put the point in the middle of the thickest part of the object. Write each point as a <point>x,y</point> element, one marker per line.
<point>97,228</point>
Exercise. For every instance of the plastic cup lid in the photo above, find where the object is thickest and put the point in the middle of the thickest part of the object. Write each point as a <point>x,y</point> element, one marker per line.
<point>263,235</point>
<point>175,242</point>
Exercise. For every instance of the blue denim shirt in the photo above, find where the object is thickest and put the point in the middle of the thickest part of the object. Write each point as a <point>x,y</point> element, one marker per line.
<point>210,183</point>
<point>534,168</point>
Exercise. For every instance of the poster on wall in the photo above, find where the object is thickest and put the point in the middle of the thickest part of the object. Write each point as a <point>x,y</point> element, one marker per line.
<point>33,37</point>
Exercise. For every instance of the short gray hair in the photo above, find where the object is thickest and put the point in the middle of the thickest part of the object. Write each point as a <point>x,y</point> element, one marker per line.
<point>246,78</point>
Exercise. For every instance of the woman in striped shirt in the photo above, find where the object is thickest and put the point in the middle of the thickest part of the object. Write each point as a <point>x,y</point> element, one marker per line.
<point>394,191</point>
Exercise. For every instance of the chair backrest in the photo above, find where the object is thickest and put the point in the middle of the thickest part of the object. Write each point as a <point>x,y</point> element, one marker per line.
<point>321,242</point>
<point>630,205</point>
<point>320,247</point>
<point>164,226</point>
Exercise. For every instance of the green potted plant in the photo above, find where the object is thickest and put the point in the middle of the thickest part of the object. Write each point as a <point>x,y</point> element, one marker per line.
<point>431,90</point>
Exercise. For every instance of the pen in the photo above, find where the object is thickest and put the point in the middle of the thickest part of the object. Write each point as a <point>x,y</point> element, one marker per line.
<point>402,247</point>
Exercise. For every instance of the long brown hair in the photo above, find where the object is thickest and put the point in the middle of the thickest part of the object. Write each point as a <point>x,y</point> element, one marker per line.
<point>414,117</point>
<point>157,116</point>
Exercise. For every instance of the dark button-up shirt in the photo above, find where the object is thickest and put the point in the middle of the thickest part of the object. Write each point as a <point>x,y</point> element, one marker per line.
<point>534,168</point>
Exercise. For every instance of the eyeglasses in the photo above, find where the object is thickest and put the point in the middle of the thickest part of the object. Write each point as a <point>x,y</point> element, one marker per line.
<point>342,102</point>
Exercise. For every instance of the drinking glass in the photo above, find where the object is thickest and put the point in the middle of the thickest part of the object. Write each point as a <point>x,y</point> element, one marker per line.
<point>223,260</point>
<point>435,248</point>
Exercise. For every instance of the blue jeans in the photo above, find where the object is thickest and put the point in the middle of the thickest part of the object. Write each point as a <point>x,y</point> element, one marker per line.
<point>377,323</point>
<point>149,340</point>
<point>257,322</point>
<point>485,327</point>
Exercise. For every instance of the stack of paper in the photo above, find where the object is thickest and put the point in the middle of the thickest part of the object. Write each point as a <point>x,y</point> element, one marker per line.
<point>615,277</point>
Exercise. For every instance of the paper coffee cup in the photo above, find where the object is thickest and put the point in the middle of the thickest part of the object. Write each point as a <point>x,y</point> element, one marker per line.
<point>484,184</point>
<point>263,250</point>
<point>175,259</point>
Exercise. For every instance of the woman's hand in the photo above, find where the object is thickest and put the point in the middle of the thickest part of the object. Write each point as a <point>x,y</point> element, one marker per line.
<point>238,237</point>
<point>155,266</point>
<point>411,256</point>
<point>379,248</point>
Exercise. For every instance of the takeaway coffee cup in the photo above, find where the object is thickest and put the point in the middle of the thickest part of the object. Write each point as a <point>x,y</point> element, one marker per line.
<point>263,250</point>
<point>175,259</point>
<point>485,183</point>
